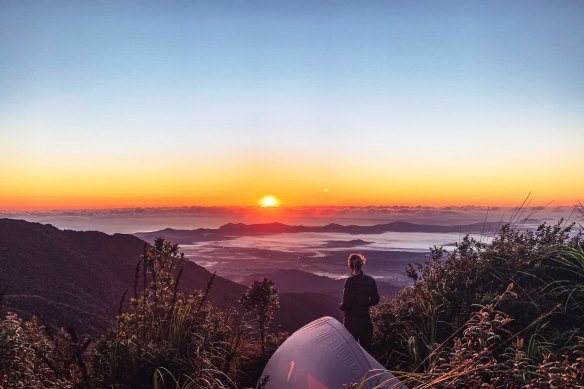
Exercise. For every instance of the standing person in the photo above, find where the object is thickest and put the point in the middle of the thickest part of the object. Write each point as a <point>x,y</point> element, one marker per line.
<point>359,294</point>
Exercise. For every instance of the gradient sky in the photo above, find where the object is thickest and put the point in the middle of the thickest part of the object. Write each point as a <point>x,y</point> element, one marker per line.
<point>116,104</point>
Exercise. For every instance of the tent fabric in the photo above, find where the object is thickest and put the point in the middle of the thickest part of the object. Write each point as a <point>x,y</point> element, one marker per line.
<point>324,355</point>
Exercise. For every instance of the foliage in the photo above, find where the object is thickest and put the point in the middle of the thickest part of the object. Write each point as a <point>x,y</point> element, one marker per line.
<point>474,358</point>
<point>166,333</point>
<point>251,367</point>
<point>166,339</point>
<point>31,358</point>
<point>434,331</point>
<point>262,299</point>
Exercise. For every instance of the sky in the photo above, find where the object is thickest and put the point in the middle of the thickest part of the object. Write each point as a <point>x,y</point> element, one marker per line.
<point>218,103</point>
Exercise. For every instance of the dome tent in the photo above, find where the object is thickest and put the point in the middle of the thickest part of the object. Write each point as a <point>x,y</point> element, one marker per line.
<point>324,355</point>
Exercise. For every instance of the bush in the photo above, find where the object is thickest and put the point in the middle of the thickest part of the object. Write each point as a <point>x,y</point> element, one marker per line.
<point>31,358</point>
<point>419,330</point>
<point>167,336</point>
<point>262,299</point>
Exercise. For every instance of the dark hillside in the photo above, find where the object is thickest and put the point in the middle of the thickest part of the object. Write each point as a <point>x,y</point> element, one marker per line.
<point>68,278</point>
<point>76,279</point>
<point>294,280</point>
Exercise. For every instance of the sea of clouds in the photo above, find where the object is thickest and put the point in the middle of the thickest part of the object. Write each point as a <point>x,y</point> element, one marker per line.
<point>129,220</point>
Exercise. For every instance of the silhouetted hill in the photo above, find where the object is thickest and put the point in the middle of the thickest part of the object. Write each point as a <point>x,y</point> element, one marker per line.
<point>293,280</point>
<point>233,230</point>
<point>77,278</point>
<point>67,278</point>
<point>345,244</point>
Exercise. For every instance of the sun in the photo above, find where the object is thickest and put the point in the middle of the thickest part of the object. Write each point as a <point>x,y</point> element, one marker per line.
<point>269,201</point>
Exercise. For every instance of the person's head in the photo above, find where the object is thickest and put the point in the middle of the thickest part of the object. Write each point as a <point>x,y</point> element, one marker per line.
<point>356,262</point>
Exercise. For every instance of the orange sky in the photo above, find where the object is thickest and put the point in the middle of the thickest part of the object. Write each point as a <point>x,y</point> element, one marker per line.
<point>46,185</point>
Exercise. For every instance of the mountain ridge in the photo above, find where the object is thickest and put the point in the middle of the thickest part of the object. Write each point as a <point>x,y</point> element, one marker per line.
<point>233,230</point>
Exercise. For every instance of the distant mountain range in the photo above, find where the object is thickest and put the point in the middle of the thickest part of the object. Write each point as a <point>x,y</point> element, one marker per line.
<point>233,230</point>
<point>77,278</point>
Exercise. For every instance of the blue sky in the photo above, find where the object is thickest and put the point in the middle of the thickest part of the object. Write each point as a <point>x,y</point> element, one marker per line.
<point>443,85</point>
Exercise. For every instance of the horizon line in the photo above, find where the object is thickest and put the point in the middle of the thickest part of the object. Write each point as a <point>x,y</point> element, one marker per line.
<point>284,207</point>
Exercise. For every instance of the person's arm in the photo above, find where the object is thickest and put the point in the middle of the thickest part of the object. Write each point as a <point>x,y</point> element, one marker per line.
<point>347,297</point>
<point>374,293</point>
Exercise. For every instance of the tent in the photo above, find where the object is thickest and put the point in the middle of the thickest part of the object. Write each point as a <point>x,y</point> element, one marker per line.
<point>324,355</point>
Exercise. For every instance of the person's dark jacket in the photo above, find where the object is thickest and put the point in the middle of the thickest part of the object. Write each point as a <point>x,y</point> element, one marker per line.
<point>359,294</point>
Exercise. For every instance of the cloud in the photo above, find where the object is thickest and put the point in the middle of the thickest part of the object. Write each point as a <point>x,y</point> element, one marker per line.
<point>148,219</point>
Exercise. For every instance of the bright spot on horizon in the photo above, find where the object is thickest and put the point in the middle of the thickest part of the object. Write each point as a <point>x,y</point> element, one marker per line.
<point>269,201</point>
<point>325,190</point>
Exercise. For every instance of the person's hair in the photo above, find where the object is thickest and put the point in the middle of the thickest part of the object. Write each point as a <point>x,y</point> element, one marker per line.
<point>356,262</point>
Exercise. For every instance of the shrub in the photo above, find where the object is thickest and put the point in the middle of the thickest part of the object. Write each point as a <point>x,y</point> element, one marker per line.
<point>262,299</point>
<point>167,336</point>
<point>513,342</point>
<point>31,358</point>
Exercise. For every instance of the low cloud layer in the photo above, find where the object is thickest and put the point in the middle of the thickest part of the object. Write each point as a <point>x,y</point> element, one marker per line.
<point>129,220</point>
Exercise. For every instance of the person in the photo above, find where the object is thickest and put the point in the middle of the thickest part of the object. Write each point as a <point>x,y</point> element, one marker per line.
<point>359,294</point>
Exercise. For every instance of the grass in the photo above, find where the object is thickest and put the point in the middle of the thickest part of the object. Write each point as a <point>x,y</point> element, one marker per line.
<point>504,314</point>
